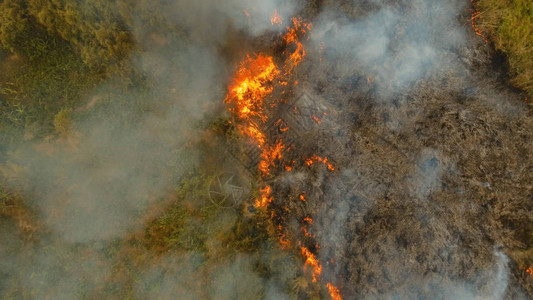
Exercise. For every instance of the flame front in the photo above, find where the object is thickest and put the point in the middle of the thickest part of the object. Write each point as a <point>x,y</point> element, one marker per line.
<point>311,260</point>
<point>269,157</point>
<point>253,84</point>
<point>475,15</point>
<point>291,38</point>
<point>334,292</point>
<point>266,197</point>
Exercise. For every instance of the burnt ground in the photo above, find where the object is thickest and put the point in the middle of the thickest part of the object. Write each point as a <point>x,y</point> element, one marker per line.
<point>432,195</point>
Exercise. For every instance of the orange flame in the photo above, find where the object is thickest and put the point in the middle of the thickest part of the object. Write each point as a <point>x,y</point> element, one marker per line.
<point>529,271</point>
<point>282,126</point>
<point>266,197</point>
<point>269,156</point>
<point>283,240</point>
<point>292,38</point>
<point>252,85</point>
<point>316,119</point>
<point>311,260</point>
<point>324,160</point>
<point>276,18</point>
<point>334,292</point>
<point>253,131</point>
<point>475,15</point>
<point>306,233</point>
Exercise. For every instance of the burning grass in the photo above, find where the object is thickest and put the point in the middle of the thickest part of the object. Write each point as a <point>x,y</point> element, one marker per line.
<point>353,208</point>
<point>249,98</point>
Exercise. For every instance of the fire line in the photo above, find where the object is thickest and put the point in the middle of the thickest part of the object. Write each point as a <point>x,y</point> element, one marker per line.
<point>252,85</point>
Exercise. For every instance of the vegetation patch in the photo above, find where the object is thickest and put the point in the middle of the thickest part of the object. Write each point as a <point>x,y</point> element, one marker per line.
<point>509,24</point>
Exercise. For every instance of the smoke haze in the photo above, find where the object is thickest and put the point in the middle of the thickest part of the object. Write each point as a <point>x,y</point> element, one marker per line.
<point>432,155</point>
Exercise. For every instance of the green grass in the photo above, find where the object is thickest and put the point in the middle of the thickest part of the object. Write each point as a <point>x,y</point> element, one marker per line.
<point>509,24</point>
<point>34,89</point>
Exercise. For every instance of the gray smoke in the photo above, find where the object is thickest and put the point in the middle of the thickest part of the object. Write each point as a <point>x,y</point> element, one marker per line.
<point>401,218</point>
<point>396,73</point>
<point>126,150</point>
<point>394,47</point>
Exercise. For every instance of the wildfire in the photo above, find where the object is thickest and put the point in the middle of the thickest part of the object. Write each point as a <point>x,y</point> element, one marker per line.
<point>334,292</point>
<point>324,160</point>
<point>283,239</point>
<point>529,271</point>
<point>281,125</point>
<point>311,260</point>
<point>247,95</point>
<point>266,197</point>
<point>291,38</point>
<point>251,85</point>
<point>475,15</point>
<point>289,165</point>
<point>316,119</point>
<point>276,18</point>
<point>306,232</point>
<point>254,132</point>
<point>269,156</point>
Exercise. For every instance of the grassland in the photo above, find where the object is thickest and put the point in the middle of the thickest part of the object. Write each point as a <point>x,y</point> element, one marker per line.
<point>509,25</point>
<point>44,88</point>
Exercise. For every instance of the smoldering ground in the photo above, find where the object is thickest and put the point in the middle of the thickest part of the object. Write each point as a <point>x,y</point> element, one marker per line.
<point>433,170</point>
<point>415,212</point>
